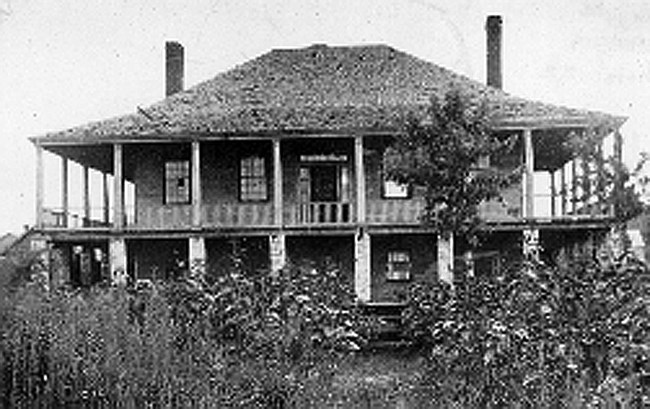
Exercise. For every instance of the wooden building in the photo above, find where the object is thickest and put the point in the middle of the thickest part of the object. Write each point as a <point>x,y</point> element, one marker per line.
<point>283,154</point>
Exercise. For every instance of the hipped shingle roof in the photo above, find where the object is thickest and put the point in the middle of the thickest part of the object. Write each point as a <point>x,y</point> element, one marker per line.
<point>320,89</point>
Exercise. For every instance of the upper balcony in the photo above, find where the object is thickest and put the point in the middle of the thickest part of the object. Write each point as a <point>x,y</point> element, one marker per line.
<point>307,182</point>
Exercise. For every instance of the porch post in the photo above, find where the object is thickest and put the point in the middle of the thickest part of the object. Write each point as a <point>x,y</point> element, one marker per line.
<point>574,186</point>
<point>446,257</point>
<point>563,190</point>
<point>277,249</point>
<point>118,187</point>
<point>553,193</point>
<point>530,244</point>
<point>360,179</point>
<point>197,253</point>
<point>277,241</point>
<point>39,186</point>
<point>196,184</point>
<point>86,196</point>
<point>362,249</point>
<point>64,191</point>
<point>117,260</point>
<point>106,204</point>
<point>362,265</point>
<point>529,172</point>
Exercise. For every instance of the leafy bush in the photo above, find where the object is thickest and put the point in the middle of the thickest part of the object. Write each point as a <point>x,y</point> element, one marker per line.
<point>251,339</point>
<point>536,337</point>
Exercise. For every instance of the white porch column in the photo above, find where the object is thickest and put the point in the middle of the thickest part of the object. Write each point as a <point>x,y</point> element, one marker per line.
<point>277,184</point>
<point>65,202</point>
<point>277,250</point>
<point>197,253</point>
<point>86,196</point>
<point>118,187</point>
<point>362,249</point>
<point>117,260</point>
<point>106,204</point>
<point>362,265</point>
<point>446,257</point>
<point>530,239</point>
<point>360,179</point>
<point>39,186</point>
<point>196,184</point>
<point>277,241</point>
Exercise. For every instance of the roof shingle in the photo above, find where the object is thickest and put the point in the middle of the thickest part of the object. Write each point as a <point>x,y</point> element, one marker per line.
<point>320,89</point>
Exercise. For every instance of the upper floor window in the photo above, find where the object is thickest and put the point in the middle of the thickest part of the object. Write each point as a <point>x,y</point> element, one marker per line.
<point>177,182</point>
<point>393,190</point>
<point>253,185</point>
<point>398,266</point>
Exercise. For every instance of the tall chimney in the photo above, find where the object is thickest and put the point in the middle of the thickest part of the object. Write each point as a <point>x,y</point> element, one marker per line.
<point>174,67</point>
<point>493,31</point>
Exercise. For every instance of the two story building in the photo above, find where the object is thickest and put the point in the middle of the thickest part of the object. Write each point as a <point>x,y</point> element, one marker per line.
<point>282,157</point>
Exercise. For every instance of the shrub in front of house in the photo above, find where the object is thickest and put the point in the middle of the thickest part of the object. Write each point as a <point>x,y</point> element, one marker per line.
<point>248,340</point>
<point>536,336</point>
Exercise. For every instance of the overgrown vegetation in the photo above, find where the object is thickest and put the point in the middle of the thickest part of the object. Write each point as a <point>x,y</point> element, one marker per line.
<point>249,340</point>
<point>573,336</point>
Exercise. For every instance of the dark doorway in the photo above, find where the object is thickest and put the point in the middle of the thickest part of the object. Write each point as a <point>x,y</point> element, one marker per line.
<point>324,183</point>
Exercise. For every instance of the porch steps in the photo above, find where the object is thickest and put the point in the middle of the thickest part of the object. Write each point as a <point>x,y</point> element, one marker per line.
<point>389,332</point>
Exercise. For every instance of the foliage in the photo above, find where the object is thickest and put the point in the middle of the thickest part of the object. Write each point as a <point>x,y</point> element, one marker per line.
<point>536,338</point>
<point>249,340</point>
<point>442,155</point>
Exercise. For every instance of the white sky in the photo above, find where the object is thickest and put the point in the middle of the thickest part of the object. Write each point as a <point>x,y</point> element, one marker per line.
<point>64,62</point>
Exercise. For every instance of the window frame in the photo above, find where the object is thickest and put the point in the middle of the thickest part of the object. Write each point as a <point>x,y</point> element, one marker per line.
<point>384,191</point>
<point>166,197</point>
<point>240,178</point>
<point>394,275</point>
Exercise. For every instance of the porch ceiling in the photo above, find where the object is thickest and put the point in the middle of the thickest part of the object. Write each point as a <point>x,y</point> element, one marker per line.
<point>98,157</point>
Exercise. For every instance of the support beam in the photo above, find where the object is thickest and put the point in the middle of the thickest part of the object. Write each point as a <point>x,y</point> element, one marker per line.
<point>277,184</point>
<point>446,257</point>
<point>65,199</point>
<point>468,257</point>
<point>618,167</point>
<point>362,265</point>
<point>360,179</point>
<point>118,187</point>
<point>117,260</point>
<point>86,196</point>
<point>574,186</point>
<point>197,254</point>
<point>563,190</point>
<point>106,203</point>
<point>39,186</point>
<point>553,193</point>
<point>529,173</point>
<point>278,252</point>
<point>195,177</point>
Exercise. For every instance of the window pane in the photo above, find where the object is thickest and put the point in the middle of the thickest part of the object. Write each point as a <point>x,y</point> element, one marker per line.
<point>253,183</point>
<point>177,182</point>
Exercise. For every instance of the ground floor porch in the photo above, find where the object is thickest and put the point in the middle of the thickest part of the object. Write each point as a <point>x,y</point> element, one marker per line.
<point>378,265</point>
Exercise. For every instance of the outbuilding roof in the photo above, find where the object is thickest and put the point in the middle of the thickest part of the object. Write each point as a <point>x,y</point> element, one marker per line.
<point>320,89</point>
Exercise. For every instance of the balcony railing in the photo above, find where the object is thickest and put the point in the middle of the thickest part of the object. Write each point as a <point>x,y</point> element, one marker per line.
<point>73,218</point>
<point>322,213</point>
<point>237,214</point>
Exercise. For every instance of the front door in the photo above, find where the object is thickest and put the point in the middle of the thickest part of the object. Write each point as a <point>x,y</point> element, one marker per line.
<point>324,183</point>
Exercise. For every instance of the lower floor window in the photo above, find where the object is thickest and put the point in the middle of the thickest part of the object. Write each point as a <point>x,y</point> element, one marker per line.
<point>398,266</point>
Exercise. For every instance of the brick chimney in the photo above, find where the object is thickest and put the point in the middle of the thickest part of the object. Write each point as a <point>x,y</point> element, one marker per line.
<point>174,67</point>
<point>493,31</point>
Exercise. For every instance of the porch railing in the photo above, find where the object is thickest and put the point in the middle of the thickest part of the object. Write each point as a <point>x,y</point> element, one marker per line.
<point>74,218</point>
<point>237,214</point>
<point>323,213</point>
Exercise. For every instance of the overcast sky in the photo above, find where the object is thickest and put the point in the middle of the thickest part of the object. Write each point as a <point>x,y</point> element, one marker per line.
<point>65,62</point>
